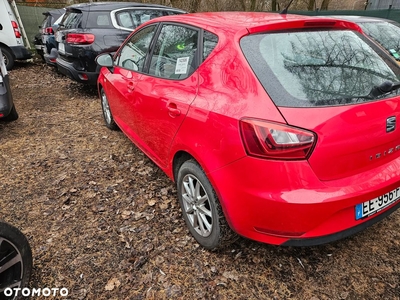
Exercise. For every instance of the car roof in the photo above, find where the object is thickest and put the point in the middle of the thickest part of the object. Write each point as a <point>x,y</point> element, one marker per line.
<point>253,21</point>
<point>105,6</point>
<point>54,12</point>
<point>361,18</point>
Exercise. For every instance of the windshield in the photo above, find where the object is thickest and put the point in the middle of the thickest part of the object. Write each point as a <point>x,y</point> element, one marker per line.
<point>317,68</point>
<point>385,33</point>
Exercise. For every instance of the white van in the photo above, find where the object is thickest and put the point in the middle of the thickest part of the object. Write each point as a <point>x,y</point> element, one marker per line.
<point>11,41</point>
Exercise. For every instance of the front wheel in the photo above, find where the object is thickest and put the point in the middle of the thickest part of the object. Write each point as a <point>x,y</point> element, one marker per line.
<point>201,208</point>
<point>108,117</point>
<point>15,261</point>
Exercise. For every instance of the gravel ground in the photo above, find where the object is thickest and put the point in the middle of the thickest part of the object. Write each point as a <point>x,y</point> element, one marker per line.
<point>104,221</point>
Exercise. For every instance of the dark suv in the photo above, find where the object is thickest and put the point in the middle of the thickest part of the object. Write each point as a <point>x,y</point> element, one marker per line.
<point>89,29</point>
<point>46,31</point>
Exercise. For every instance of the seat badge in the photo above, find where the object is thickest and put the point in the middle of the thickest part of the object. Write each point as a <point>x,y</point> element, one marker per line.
<point>390,124</point>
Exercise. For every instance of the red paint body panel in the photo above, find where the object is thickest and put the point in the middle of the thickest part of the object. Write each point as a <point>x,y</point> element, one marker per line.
<point>286,199</point>
<point>267,200</point>
<point>353,148</point>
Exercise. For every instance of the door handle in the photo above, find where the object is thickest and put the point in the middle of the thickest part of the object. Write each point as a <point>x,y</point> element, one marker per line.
<point>173,110</point>
<point>130,87</point>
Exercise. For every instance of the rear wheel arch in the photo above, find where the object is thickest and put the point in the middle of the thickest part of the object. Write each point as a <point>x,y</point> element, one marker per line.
<point>179,158</point>
<point>220,235</point>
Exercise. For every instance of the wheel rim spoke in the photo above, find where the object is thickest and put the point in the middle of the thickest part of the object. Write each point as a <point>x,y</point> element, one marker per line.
<point>204,211</point>
<point>12,262</point>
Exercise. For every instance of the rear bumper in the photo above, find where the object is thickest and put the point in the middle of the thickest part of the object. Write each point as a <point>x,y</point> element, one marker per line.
<point>51,59</point>
<point>284,203</point>
<point>68,70</point>
<point>342,234</point>
<point>20,52</point>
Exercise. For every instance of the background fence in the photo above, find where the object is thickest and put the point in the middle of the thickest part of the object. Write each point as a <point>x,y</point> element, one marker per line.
<point>32,18</point>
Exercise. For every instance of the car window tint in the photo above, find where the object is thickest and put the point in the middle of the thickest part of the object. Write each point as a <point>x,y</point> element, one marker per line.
<point>210,40</point>
<point>174,52</point>
<point>98,20</point>
<point>317,68</point>
<point>133,53</point>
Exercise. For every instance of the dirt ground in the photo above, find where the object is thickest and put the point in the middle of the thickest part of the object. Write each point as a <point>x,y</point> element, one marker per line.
<point>104,221</point>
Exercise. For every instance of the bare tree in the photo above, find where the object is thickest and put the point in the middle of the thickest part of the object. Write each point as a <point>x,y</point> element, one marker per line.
<point>325,4</point>
<point>311,5</point>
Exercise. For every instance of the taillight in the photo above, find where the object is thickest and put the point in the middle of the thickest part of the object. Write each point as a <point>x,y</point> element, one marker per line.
<point>48,30</point>
<point>79,38</point>
<point>16,29</point>
<point>276,141</point>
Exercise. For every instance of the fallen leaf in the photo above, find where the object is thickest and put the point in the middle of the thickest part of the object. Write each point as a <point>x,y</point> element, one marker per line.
<point>112,283</point>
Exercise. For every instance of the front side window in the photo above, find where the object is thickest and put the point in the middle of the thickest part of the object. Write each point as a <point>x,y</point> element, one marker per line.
<point>133,53</point>
<point>174,52</point>
<point>318,68</point>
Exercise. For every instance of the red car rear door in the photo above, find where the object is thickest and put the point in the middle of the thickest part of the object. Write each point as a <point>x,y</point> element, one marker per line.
<point>162,97</point>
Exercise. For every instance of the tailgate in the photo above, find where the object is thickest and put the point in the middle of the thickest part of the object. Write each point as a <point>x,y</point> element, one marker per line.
<point>350,139</point>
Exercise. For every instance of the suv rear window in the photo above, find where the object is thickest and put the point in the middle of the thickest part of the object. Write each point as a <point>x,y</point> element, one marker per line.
<point>71,19</point>
<point>318,68</point>
<point>94,19</point>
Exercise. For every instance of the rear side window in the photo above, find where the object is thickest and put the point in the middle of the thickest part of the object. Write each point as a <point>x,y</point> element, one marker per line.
<point>210,40</point>
<point>134,18</point>
<point>99,19</point>
<point>318,68</point>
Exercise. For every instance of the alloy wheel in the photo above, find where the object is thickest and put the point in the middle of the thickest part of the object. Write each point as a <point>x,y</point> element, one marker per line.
<point>11,267</point>
<point>197,205</point>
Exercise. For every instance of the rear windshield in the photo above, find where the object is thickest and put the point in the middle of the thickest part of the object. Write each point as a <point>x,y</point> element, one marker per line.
<point>319,68</point>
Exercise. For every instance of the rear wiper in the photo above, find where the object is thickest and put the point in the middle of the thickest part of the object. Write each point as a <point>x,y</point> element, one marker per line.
<point>383,88</point>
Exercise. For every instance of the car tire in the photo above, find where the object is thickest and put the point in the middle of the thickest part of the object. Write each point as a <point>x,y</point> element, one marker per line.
<point>8,58</point>
<point>12,116</point>
<point>16,254</point>
<point>201,208</point>
<point>107,115</point>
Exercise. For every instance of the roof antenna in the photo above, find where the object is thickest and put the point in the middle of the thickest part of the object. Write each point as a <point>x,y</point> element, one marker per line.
<point>285,10</point>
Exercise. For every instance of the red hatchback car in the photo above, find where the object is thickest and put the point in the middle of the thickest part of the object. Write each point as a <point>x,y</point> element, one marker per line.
<point>281,128</point>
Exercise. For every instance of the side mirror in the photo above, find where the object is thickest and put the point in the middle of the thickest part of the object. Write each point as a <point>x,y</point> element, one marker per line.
<point>105,60</point>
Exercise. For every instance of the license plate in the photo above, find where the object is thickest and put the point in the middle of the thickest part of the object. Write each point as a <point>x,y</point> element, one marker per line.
<point>371,207</point>
<point>61,48</point>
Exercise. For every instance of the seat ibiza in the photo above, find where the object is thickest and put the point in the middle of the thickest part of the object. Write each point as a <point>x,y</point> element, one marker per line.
<point>278,128</point>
